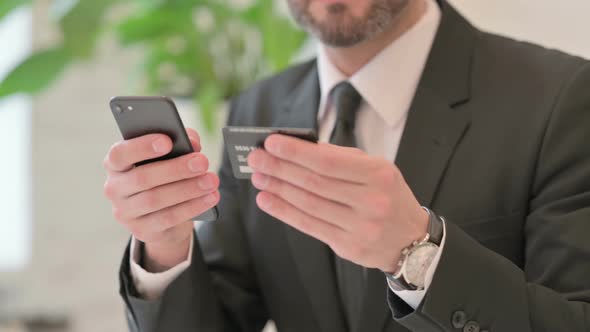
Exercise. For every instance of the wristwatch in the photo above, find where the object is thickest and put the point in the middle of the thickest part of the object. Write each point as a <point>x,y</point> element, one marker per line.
<point>417,258</point>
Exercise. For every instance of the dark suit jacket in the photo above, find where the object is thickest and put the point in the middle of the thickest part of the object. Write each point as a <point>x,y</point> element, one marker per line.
<point>497,141</point>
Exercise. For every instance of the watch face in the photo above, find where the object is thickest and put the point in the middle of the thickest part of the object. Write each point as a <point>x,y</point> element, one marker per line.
<point>418,262</point>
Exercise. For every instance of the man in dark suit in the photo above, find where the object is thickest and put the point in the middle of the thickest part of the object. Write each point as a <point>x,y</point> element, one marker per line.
<point>454,196</point>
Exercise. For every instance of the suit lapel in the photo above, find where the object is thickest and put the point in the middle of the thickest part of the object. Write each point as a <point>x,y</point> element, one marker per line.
<point>300,108</point>
<point>313,258</point>
<point>435,125</point>
<point>432,132</point>
<point>436,121</point>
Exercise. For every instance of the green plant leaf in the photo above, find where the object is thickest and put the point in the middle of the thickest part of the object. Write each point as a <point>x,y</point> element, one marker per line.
<point>209,99</point>
<point>256,13</point>
<point>7,6</point>
<point>281,41</point>
<point>146,26</point>
<point>35,73</point>
<point>149,4</point>
<point>281,38</point>
<point>81,26</point>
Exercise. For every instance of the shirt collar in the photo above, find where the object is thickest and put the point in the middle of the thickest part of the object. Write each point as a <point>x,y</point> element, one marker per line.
<point>389,81</point>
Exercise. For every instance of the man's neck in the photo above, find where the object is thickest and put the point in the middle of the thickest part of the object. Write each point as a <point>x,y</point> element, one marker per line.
<point>350,59</point>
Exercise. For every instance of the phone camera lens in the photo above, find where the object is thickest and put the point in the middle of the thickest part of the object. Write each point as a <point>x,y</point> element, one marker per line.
<point>118,109</point>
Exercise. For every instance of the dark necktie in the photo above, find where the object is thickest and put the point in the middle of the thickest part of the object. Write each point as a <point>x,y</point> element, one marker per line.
<point>350,276</point>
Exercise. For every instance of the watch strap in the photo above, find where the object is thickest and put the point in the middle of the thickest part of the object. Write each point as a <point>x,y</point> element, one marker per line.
<point>398,284</point>
<point>435,227</point>
<point>435,231</point>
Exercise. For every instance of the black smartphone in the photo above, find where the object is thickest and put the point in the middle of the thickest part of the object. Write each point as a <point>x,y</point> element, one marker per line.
<point>139,116</point>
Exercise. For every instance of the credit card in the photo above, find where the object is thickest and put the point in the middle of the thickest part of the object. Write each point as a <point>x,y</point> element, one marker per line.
<point>240,141</point>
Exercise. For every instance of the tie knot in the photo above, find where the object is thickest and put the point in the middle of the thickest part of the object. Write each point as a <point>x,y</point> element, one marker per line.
<point>346,101</point>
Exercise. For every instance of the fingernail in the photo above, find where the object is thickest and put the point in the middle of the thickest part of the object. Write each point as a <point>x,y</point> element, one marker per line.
<point>264,202</point>
<point>205,182</point>
<point>273,146</point>
<point>211,198</point>
<point>161,145</point>
<point>196,165</point>
<point>259,180</point>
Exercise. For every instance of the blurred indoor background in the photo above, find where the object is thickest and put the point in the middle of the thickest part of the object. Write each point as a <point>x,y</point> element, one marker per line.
<point>59,246</point>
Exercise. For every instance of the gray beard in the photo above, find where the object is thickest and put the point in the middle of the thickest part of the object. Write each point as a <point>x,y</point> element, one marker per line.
<point>344,30</point>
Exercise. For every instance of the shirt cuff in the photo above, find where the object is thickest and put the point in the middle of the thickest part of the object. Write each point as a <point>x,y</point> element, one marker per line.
<point>414,298</point>
<point>151,286</point>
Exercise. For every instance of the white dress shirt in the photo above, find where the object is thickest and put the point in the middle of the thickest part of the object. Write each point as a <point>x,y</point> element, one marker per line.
<point>387,84</point>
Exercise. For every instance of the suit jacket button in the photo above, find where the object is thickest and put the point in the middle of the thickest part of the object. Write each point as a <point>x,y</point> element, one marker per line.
<point>459,319</point>
<point>471,326</point>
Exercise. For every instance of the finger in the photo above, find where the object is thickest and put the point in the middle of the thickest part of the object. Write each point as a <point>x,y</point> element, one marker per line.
<point>341,191</point>
<point>158,173</point>
<point>325,159</point>
<point>123,155</point>
<point>329,211</point>
<point>193,135</point>
<point>159,198</point>
<point>175,215</point>
<point>287,213</point>
<point>195,144</point>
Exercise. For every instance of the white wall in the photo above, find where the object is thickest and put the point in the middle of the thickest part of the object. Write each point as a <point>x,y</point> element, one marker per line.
<point>558,24</point>
<point>15,201</point>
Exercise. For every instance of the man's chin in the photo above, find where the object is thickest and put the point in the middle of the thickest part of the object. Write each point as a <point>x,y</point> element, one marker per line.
<point>332,22</point>
<point>338,38</point>
<point>338,31</point>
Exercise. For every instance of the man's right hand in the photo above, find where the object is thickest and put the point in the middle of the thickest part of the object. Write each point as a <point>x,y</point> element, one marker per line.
<point>156,201</point>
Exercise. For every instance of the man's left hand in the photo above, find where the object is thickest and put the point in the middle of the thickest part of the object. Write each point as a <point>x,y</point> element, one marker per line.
<point>357,204</point>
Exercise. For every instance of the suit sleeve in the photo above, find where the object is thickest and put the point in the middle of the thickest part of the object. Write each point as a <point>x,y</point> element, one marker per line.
<point>551,292</point>
<point>218,291</point>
